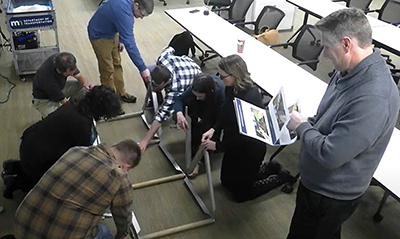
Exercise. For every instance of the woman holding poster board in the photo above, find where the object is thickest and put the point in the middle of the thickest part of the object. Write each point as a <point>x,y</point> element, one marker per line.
<point>243,155</point>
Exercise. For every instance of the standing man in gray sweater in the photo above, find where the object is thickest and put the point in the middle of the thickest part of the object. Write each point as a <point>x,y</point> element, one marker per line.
<point>343,143</point>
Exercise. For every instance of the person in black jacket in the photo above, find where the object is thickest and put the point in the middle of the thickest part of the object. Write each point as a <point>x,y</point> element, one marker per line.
<point>43,143</point>
<point>243,155</point>
<point>204,99</point>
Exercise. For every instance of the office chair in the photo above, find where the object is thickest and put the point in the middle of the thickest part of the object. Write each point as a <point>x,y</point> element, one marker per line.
<point>360,4</point>
<point>390,12</point>
<point>236,10</point>
<point>269,17</point>
<point>217,3</point>
<point>306,47</point>
<point>236,13</point>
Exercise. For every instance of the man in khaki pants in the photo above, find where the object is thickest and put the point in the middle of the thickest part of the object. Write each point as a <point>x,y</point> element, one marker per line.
<point>51,88</point>
<point>110,29</point>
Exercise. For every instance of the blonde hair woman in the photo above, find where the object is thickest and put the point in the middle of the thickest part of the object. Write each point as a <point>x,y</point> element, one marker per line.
<point>243,155</point>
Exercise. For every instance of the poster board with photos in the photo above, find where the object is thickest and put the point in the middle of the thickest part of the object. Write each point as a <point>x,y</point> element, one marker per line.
<point>267,125</point>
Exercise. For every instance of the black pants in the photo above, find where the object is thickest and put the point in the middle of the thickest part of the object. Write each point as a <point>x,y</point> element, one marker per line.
<point>319,217</point>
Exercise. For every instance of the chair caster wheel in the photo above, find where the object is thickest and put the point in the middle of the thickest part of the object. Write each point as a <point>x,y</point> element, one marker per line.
<point>201,57</point>
<point>285,47</point>
<point>187,2</point>
<point>206,54</point>
<point>288,188</point>
<point>165,4</point>
<point>377,217</point>
<point>202,64</point>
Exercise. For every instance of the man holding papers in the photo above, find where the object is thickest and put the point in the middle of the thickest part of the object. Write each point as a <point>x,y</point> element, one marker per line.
<point>344,142</point>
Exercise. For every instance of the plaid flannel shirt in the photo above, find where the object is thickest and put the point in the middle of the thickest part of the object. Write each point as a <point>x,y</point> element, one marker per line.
<point>71,197</point>
<point>183,69</point>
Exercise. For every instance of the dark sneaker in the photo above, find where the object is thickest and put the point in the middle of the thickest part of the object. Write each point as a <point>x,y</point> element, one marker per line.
<point>267,169</point>
<point>11,166</point>
<point>121,112</point>
<point>285,177</point>
<point>128,98</point>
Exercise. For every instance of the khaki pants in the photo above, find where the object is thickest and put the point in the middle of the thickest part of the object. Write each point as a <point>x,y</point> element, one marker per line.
<point>109,62</point>
<point>72,89</point>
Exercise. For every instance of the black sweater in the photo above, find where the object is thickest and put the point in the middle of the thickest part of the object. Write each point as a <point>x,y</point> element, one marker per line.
<point>43,143</point>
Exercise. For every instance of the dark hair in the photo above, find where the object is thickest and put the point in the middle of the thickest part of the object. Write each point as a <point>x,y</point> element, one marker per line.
<point>160,74</point>
<point>203,83</point>
<point>99,102</point>
<point>65,61</point>
<point>130,151</point>
<point>147,5</point>
<point>346,22</point>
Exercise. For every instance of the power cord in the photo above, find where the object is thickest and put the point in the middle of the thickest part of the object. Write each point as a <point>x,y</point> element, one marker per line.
<point>7,42</point>
<point>9,91</point>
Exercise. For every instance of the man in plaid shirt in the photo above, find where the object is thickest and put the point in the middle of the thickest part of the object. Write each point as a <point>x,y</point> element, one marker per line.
<point>71,197</point>
<point>174,74</point>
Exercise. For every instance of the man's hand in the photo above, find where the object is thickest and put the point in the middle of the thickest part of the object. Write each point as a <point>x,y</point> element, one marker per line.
<point>88,86</point>
<point>209,145</point>
<point>120,47</point>
<point>146,75</point>
<point>183,124</point>
<point>295,120</point>
<point>143,145</point>
<point>207,135</point>
<point>64,101</point>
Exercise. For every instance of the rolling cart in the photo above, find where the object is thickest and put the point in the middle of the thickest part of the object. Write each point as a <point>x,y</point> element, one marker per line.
<point>33,33</point>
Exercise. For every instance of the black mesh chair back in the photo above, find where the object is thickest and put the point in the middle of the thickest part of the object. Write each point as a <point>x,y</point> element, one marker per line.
<point>390,12</point>
<point>217,3</point>
<point>238,10</point>
<point>307,45</point>
<point>360,4</point>
<point>270,17</point>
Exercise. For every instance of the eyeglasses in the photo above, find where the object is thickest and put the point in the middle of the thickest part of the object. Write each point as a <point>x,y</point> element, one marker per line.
<point>223,77</point>
<point>142,13</point>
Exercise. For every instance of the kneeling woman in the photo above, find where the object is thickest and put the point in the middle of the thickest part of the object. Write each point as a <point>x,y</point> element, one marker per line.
<point>243,155</point>
<point>204,99</point>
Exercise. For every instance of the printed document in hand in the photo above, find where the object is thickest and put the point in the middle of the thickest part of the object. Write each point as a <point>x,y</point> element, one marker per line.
<point>267,125</point>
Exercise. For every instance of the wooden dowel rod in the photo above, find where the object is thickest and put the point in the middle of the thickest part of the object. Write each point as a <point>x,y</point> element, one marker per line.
<point>124,116</point>
<point>158,181</point>
<point>177,229</point>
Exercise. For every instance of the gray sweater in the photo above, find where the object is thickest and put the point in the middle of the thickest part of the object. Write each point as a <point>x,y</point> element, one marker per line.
<point>345,141</point>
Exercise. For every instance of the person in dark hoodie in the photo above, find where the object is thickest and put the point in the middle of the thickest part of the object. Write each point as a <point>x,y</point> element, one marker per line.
<point>43,143</point>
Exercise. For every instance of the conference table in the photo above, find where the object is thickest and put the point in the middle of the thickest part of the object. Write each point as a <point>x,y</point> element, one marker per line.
<point>268,68</point>
<point>271,71</point>
<point>385,35</point>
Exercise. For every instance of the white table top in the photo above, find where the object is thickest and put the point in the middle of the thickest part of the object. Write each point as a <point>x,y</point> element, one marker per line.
<point>382,32</point>
<point>389,36</point>
<point>270,71</point>
<point>265,65</point>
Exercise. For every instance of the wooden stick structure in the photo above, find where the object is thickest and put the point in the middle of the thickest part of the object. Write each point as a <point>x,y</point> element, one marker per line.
<point>190,165</point>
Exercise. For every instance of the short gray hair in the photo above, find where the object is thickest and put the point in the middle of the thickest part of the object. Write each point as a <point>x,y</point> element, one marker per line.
<point>346,22</point>
<point>147,5</point>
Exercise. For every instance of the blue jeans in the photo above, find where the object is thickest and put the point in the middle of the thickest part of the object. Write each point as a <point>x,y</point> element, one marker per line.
<point>104,232</point>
